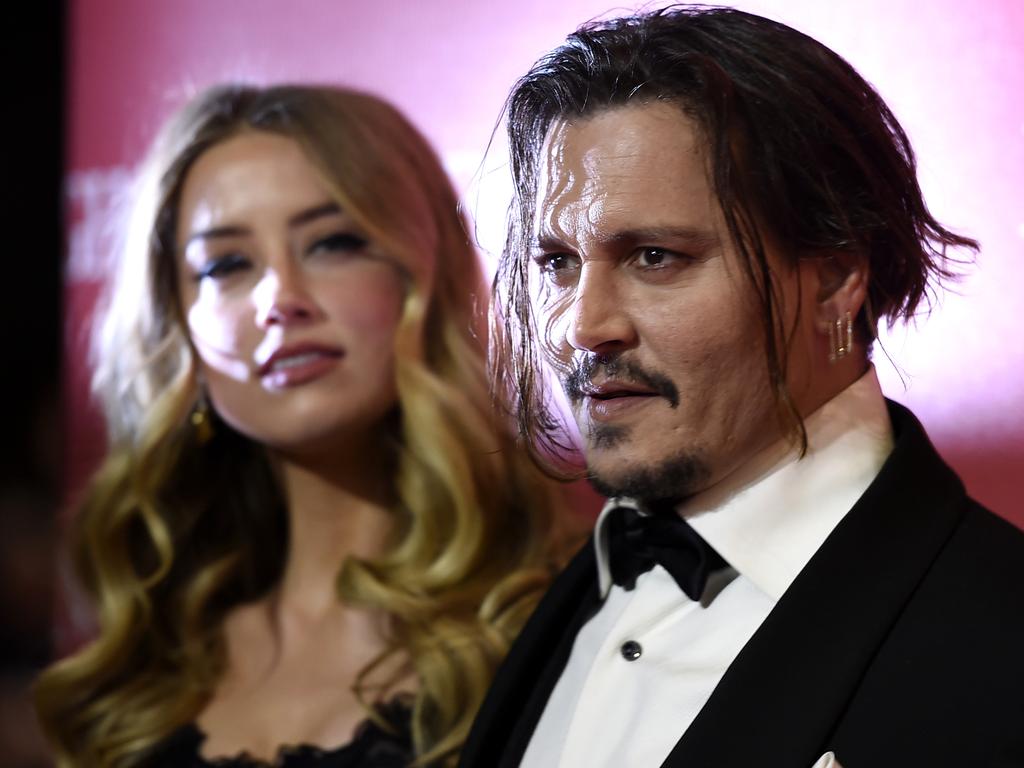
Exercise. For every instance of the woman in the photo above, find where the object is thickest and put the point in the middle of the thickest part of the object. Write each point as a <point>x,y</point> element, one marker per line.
<point>310,540</point>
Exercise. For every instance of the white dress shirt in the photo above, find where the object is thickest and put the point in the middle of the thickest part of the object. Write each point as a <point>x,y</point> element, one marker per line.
<point>643,667</point>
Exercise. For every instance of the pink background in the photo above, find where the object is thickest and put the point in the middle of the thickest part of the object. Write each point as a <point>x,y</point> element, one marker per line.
<point>953,77</point>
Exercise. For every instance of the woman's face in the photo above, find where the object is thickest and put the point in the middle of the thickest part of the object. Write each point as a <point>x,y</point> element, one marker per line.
<point>290,307</point>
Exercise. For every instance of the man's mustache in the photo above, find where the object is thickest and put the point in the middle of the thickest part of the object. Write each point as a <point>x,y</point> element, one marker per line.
<point>615,367</point>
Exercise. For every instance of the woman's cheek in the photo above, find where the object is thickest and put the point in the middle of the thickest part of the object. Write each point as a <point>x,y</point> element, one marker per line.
<point>219,334</point>
<point>374,308</point>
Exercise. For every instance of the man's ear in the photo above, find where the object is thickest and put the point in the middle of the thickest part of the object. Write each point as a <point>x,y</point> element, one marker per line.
<point>842,286</point>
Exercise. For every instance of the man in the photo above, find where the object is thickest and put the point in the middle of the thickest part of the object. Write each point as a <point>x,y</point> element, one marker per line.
<point>712,213</point>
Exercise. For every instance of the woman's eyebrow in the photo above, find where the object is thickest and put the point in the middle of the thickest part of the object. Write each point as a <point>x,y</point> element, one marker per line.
<point>213,233</point>
<point>296,220</point>
<point>317,211</point>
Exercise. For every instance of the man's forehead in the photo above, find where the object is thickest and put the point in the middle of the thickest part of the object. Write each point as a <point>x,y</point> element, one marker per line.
<point>622,130</point>
<point>626,162</point>
<point>597,143</point>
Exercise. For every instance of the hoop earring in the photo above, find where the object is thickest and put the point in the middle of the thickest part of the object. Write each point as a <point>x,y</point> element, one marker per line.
<point>202,419</point>
<point>840,337</point>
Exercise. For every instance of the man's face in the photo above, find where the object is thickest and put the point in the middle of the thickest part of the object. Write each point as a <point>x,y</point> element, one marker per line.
<point>642,300</point>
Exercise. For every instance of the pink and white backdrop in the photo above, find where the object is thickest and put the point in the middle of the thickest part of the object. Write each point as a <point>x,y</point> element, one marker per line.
<point>953,73</point>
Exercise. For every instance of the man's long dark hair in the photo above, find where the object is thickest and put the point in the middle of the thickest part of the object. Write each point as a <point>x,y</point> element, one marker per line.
<point>799,146</point>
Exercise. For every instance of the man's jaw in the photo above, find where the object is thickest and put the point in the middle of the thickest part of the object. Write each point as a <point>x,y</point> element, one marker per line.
<point>606,436</point>
<point>666,481</point>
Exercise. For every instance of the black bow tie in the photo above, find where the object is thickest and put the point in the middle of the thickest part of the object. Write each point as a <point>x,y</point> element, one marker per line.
<point>636,542</point>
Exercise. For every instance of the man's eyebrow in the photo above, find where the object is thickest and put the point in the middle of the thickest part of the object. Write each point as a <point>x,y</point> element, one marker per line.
<point>548,243</point>
<point>300,218</point>
<point>697,238</point>
<point>700,239</point>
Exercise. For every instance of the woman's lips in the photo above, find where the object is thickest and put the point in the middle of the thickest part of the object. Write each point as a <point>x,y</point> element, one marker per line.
<point>291,368</point>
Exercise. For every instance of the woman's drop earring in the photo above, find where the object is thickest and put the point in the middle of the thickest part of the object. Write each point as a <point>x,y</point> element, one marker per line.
<point>202,419</point>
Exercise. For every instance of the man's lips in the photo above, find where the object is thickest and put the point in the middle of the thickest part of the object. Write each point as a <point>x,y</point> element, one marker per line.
<point>612,400</point>
<point>613,390</point>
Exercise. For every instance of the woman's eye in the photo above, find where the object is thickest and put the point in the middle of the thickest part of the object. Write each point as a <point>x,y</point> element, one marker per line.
<point>339,242</point>
<point>222,266</point>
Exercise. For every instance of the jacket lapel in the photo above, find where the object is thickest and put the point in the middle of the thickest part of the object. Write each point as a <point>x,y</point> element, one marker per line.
<point>783,696</point>
<point>524,682</point>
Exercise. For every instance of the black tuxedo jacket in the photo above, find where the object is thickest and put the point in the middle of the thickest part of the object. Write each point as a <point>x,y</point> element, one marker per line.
<point>901,643</point>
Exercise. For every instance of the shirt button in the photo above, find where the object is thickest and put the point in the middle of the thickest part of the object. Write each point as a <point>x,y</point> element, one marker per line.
<point>631,650</point>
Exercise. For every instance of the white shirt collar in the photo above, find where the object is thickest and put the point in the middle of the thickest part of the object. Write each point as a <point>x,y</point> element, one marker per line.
<point>769,517</point>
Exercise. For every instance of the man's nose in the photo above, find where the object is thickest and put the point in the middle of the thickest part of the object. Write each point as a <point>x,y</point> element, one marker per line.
<point>599,322</point>
<point>282,298</point>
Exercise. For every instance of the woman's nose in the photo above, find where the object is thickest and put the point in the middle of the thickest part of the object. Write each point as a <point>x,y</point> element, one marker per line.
<point>282,298</point>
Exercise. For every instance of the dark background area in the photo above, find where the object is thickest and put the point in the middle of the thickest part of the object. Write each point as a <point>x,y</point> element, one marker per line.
<point>31,319</point>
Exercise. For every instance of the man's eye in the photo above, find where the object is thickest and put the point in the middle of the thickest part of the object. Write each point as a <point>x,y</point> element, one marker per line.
<point>339,242</point>
<point>220,267</point>
<point>556,263</point>
<point>654,257</point>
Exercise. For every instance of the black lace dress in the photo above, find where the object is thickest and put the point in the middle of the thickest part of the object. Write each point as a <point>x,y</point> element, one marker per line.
<point>372,747</point>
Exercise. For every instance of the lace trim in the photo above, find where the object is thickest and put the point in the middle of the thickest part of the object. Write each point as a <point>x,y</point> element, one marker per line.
<point>370,742</point>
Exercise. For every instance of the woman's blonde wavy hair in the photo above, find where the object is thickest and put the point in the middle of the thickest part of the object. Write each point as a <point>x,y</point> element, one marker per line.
<point>174,532</point>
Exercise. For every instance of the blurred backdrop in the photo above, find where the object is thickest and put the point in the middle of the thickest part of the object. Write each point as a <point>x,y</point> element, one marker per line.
<point>953,74</point>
